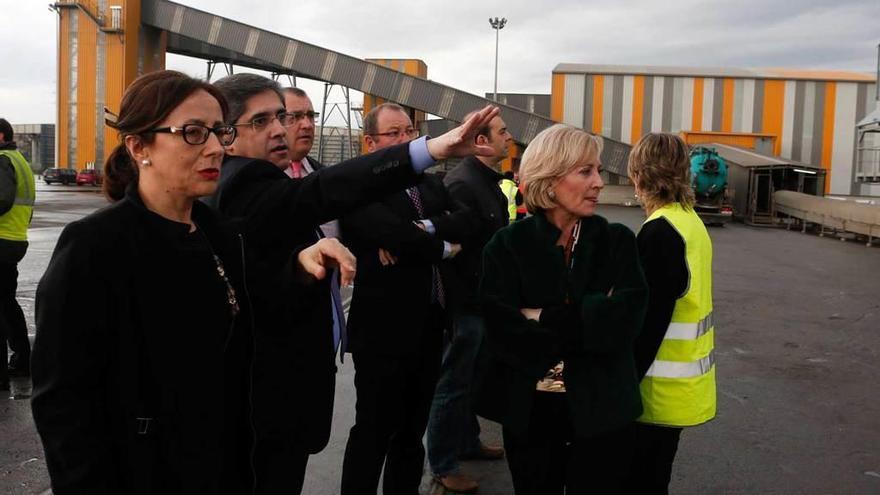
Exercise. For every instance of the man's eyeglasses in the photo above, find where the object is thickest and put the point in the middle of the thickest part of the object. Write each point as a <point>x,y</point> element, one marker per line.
<point>286,119</point>
<point>310,114</point>
<point>396,133</point>
<point>196,134</point>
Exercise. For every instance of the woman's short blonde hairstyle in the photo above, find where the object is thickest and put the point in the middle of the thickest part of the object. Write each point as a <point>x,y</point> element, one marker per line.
<point>554,152</point>
<point>659,165</point>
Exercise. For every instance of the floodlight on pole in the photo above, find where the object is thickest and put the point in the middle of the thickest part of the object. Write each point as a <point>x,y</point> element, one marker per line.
<point>497,24</point>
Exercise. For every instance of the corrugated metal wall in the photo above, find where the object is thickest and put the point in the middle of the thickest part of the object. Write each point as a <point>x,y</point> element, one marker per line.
<point>813,121</point>
<point>87,75</point>
<point>113,87</point>
<point>62,118</point>
<point>95,65</point>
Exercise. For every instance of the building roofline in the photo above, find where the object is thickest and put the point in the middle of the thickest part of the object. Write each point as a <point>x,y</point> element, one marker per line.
<point>728,72</point>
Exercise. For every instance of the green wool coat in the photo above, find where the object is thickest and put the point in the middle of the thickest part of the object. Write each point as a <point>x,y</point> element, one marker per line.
<point>593,332</point>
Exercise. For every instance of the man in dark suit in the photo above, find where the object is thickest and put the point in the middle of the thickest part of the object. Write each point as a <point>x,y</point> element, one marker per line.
<point>300,139</point>
<point>397,317</point>
<point>453,431</point>
<point>293,403</point>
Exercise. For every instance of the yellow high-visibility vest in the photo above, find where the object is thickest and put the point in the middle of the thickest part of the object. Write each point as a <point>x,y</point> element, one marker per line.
<point>679,388</point>
<point>14,223</point>
<point>508,187</point>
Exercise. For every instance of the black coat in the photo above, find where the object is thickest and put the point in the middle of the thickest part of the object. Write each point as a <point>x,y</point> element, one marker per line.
<point>389,301</point>
<point>294,322</point>
<point>593,333</point>
<point>133,321</point>
<point>474,185</point>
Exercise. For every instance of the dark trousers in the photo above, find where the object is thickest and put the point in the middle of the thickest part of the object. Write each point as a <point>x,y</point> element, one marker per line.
<point>393,400</point>
<point>550,460</point>
<point>282,474</point>
<point>13,328</point>
<point>652,464</point>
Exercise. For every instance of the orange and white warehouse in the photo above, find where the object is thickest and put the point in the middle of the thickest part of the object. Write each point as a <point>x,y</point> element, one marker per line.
<point>806,116</point>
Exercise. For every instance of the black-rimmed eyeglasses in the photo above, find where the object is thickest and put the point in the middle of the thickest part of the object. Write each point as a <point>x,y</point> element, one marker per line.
<point>196,134</point>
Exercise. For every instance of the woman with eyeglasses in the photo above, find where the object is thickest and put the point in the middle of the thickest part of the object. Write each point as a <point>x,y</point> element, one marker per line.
<point>149,394</point>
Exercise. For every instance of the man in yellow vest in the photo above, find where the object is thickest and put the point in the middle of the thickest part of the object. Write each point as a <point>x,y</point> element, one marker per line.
<point>16,208</point>
<point>674,353</point>
<point>511,192</point>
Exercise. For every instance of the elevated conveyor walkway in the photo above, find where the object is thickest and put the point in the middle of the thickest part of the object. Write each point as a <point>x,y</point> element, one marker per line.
<point>196,33</point>
<point>843,215</point>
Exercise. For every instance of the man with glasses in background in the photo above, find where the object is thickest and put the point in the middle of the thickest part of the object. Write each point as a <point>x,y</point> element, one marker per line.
<point>280,215</point>
<point>300,139</point>
<point>397,316</point>
<point>453,429</point>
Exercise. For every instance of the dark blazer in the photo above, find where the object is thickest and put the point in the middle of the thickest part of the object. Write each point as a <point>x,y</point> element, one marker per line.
<point>592,332</point>
<point>316,165</point>
<point>474,185</point>
<point>160,344</point>
<point>388,301</point>
<point>294,322</point>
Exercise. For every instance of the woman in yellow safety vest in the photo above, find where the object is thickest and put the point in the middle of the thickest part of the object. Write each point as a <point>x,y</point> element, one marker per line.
<point>674,352</point>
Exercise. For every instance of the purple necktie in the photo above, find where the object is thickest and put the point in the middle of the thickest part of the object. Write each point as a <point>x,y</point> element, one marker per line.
<point>339,334</point>
<point>438,295</point>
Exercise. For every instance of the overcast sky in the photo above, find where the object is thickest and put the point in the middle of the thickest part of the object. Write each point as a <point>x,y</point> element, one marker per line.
<point>455,40</point>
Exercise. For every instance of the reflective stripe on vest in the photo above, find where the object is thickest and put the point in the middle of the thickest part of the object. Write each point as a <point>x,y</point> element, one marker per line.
<point>679,388</point>
<point>14,223</point>
<point>690,331</point>
<point>677,369</point>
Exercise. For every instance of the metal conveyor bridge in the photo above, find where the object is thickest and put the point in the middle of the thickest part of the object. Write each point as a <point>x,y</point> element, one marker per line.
<point>199,34</point>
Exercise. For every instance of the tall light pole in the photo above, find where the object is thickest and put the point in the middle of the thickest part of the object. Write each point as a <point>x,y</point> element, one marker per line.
<point>497,24</point>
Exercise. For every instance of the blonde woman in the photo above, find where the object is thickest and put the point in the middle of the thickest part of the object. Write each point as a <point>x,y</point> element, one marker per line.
<point>674,352</point>
<point>564,298</point>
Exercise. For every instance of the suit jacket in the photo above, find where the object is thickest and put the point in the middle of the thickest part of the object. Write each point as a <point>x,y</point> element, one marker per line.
<point>390,302</point>
<point>293,323</point>
<point>331,228</point>
<point>476,186</point>
<point>580,323</point>
<point>316,165</point>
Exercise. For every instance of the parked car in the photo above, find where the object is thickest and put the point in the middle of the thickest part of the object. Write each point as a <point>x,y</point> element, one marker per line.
<point>59,175</point>
<point>89,176</point>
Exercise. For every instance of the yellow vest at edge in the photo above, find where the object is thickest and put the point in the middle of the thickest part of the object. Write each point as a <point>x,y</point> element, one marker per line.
<point>680,387</point>
<point>14,223</point>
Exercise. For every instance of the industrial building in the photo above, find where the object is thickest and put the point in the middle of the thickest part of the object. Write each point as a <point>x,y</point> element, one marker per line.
<point>806,116</point>
<point>37,143</point>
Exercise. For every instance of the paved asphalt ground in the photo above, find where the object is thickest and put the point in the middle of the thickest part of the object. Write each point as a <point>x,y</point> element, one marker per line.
<point>798,343</point>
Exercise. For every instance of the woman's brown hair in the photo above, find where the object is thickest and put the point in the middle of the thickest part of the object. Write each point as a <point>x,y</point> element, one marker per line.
<point>659,165</point>
<point>147,102</point>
